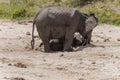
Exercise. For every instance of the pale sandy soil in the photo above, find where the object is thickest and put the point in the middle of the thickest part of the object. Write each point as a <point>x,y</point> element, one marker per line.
<point>98,61</point>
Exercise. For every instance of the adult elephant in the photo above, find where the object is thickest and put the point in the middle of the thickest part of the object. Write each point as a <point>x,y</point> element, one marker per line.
<point>56,22</point>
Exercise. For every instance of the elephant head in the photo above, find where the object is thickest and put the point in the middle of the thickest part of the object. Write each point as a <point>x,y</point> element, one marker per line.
<point>90,23</point>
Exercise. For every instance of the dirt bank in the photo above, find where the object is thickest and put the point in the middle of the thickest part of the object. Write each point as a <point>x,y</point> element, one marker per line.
<point>98,61</point>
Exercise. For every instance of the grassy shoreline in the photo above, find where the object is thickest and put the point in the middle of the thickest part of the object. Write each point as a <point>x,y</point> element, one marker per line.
<point>107,11</point>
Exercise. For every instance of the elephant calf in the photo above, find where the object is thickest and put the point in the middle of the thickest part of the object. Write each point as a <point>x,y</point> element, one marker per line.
<point>55,22</point>
<point>57,44</point>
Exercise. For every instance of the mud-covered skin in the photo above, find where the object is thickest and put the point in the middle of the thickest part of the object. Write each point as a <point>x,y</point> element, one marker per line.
<point>57,44</point>
<point>76,42</point>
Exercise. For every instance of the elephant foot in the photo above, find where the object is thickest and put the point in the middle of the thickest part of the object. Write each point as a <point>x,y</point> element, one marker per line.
<point>68,50</point>
<point>47,49</point>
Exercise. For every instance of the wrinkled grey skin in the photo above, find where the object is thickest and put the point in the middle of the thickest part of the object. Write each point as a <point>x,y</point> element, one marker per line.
<point>56,22</point>
<point>87,38</point>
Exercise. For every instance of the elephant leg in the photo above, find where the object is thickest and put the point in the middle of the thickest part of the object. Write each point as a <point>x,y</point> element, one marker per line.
<point>68,41</point>
<point>46,45</point>
<point>67,45</point>
<point>89,37</point>
<point>86,40</point>
<point>45,36</point>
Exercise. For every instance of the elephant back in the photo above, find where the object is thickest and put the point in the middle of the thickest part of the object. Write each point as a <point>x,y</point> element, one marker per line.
<point>60,16</point>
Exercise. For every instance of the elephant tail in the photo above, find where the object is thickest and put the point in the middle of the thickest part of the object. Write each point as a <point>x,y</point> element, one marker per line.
<point>33,41</point>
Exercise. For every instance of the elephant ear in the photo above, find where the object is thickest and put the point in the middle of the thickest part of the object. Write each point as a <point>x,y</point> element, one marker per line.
<point>91,22</point>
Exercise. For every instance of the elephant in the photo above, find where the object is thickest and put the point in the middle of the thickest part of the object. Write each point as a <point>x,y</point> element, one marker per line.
<point>57,44</point>
<point>56,22</point>
<point>87,38</point>
<point>77,40</point>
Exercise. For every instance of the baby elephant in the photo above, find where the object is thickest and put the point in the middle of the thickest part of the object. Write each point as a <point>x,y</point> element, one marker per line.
<point>55,22</point>
<point>58,44</point>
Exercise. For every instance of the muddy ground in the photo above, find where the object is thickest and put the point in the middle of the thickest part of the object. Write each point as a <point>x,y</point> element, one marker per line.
<point>98,61</point>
